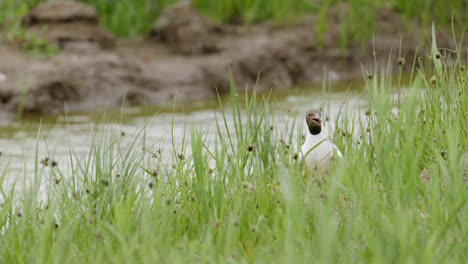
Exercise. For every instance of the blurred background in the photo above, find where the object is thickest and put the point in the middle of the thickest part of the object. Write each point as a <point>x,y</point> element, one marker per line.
<point>66,64</point>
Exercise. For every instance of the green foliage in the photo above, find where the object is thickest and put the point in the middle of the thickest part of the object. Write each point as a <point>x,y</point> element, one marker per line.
<point>359,22</point>
<point>250,11</point>
<point>433,11</point>
<point>245,198</point>
<point>128,18</point>
<point>11,12</point>
<point>131,18</point>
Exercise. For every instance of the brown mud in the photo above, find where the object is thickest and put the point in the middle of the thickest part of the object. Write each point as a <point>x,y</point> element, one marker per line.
<point>184,56</point>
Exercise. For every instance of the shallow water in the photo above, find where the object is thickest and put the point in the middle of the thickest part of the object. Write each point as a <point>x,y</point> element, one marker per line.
<point>55,136</point>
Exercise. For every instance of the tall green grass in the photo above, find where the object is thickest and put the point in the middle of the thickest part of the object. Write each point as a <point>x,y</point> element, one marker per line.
<point>245,198</point>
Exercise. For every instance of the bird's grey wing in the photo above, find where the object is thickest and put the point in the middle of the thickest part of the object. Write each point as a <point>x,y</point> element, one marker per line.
<point>337,151</point>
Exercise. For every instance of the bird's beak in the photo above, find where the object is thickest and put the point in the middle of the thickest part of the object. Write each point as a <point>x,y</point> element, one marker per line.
<point>318,120</point>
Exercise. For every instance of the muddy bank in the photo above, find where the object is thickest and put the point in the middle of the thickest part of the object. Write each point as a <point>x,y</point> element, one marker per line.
<point>184,56</point>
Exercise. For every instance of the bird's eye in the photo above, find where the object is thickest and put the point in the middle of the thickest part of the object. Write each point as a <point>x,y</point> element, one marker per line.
<point>310,114</point>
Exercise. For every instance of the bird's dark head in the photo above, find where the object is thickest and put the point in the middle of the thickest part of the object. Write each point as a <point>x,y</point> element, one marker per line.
<point>314,121</point>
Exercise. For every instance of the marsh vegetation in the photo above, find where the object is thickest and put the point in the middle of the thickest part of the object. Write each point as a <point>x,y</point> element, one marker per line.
<point>244,197</point>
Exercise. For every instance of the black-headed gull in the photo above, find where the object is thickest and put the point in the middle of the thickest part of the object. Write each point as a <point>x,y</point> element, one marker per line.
<point>317,150</point>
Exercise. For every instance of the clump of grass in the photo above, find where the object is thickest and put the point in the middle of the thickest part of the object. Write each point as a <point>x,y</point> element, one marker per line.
<point>11,12</point>
<point>132,18</point>
<point>444,13</point>
<point>251,11</point>
<point>128,18</point>
<point>246,198</point>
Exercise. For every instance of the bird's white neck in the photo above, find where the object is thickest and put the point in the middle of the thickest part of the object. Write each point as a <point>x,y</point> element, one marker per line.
<point>315,138</point>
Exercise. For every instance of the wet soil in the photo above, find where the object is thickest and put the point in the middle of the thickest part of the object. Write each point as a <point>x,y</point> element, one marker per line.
<point>185,56</point>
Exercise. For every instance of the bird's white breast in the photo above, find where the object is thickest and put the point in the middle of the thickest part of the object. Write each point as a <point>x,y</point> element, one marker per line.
<point>318,158</point>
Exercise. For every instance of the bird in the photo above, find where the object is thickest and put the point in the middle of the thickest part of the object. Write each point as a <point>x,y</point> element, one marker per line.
<point>317,150</point>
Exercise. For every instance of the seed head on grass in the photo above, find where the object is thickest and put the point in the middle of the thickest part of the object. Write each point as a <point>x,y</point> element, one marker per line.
<point>181,156</point>
<point>105,182</point>
<point>157,154</point>
<point>249,148</point>
<point>443,153</point>
<point>248,186</point>
<point>323,196</point>
<point>401,61</point>
<point>425,176</point>
<point>283,143</point>
<point>295,156</point>
<point>45,161</point>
